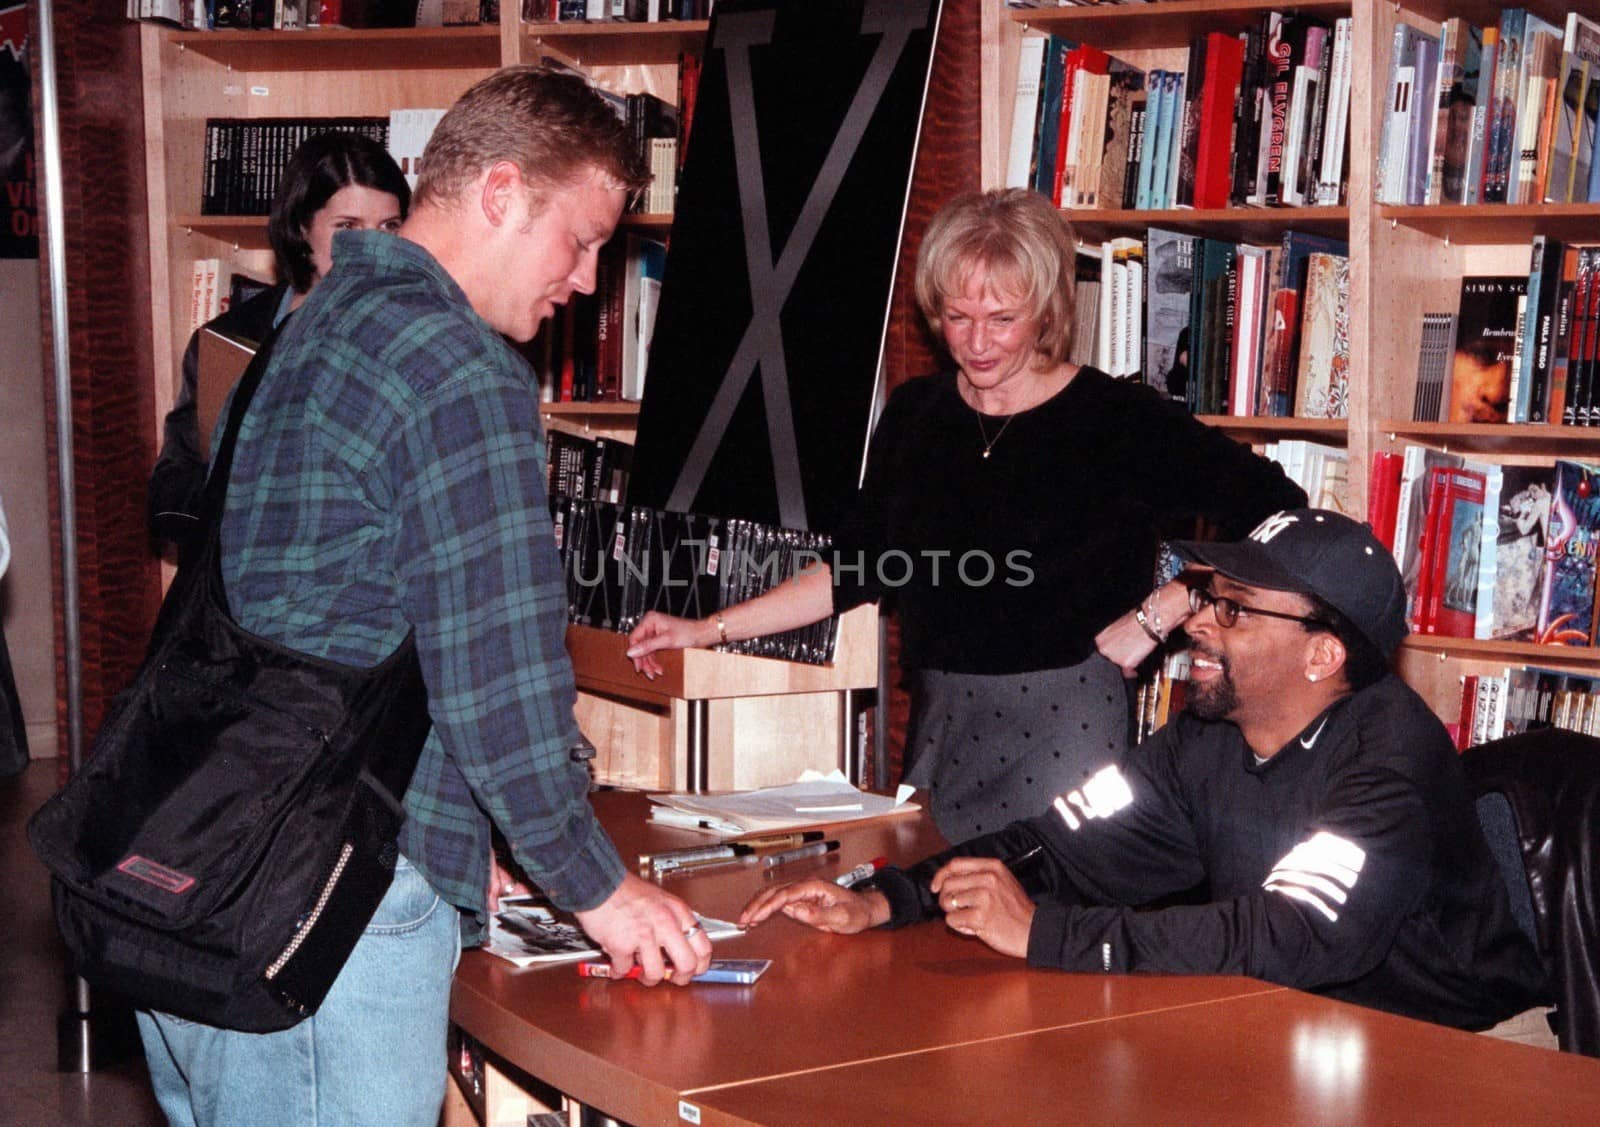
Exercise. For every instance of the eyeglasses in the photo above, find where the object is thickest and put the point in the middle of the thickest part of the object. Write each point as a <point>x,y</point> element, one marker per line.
<point>1227,611</point>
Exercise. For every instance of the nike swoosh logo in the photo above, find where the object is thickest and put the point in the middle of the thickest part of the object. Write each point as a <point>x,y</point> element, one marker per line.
<point>1306,743</point>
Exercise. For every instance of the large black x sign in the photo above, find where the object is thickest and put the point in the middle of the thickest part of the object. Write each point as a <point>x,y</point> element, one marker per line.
<point>771,281</point>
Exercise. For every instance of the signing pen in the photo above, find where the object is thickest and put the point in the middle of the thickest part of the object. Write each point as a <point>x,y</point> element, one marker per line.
<point>781,841</point>
<point>815,849</point>
<point>665,866</point>
<point>692,856</point>
<point>860,873</point>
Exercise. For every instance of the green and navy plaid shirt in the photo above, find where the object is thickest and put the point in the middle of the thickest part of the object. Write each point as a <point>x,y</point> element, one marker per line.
<point>390,476</point>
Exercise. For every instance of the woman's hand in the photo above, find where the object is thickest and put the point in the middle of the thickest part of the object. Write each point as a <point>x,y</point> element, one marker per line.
<point>1126,644</point>
<point>820,904</point>
<point>657,631</point>
<point>980,897</point>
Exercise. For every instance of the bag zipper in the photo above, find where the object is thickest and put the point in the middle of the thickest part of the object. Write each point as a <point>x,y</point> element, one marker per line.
<point>316,912</point>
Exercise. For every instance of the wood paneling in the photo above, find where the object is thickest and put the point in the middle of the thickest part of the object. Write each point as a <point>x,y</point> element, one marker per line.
<point>102,166</point>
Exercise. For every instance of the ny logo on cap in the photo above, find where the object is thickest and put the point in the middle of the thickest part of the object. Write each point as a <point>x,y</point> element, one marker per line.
<point>1268,529</point>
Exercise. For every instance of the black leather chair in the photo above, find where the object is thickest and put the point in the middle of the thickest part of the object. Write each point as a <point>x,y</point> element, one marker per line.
<point>1549,782</point>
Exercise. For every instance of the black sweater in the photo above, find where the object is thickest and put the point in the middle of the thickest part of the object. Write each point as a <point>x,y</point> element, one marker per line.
<point>1351,863</point>
<point>1068,507</point>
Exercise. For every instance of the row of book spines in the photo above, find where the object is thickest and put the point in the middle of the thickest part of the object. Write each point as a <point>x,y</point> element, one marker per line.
<point>1524,700</point>
<point>596,349</point>
<point>1161,694</point>
<point>1553,320</point>
<point>295,15</point>
<point>627,11</point>
<point>1267,328</point>
<point>1257,119</point>
<point>1500,114</point>
<point>1488,551</point>
<point>245,157</point>
<point>582,468</point>
<point>622,561</point>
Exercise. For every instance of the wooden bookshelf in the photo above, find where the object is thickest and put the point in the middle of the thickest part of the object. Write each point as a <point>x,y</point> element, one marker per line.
<point>346,49</point>
<point>1259,224</point>
<point>1404,261</point>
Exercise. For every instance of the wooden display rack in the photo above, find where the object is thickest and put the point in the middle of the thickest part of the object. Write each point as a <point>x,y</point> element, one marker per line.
<point>722,721</point>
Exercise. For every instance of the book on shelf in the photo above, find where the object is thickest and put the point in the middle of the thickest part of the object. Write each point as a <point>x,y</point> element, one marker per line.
<point>1332,152</point>
<point>1418,463</point>
<point>1419,122</point>
<point>1460,68</point>
<point>1511,573</point>
<point>1472,180</point>
<point>1383,495</point>
<point>1501,124</point>
<point>1433,366</point>
<point>1306,90</point>
<point>1454,547</point>
<point>645,265</point>
<point>409,131</point>
<point>1322,383</point>
<point>1169,280</point>
<point>1025,110</point>
<point>1078,60</point>
<point>1214,128</point>
<point>1531,402</point>
<point>1321,470</point>
<point>1567,600</point>
<point>1480,369</point>
<point>1048,131</point>
<point>1393,150</point>
<point>244,157</point>
<point>1247,113</point>
<point>1124,127</point>
<point>1281,347</point>
<point>1536,113</point>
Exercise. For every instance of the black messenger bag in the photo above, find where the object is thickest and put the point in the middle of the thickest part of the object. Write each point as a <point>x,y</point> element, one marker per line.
<point>233,829</point>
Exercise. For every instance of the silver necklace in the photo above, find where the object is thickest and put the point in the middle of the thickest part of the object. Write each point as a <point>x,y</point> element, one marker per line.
<point>983,433</point>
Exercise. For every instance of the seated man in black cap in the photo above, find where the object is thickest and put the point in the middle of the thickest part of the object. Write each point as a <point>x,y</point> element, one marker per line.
<point>1308,811</point>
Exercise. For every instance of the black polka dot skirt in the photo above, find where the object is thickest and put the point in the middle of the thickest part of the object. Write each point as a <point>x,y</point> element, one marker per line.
<point>990,750</point>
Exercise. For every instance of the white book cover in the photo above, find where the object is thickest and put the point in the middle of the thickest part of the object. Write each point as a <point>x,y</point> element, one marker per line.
<point>1135,309</point>
<point>409,131</point>
<point>1302,96</point>
<point>1108,300</point>
<point>1025,110</point>
<point>526,934</point>
<point>1488,550</point>
<point>1330,178</point>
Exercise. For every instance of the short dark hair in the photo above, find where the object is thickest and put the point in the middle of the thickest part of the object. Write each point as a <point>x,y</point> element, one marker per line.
<point>1363,663</point>
<point>319,168</point>
<point>553,126</point>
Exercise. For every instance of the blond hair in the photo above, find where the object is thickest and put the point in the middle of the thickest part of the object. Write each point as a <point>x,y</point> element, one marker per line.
<point>552,126</point>
<point>1017,244</point>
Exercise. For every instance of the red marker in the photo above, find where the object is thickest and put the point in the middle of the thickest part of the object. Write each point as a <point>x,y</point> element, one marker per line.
<point>861,872</point>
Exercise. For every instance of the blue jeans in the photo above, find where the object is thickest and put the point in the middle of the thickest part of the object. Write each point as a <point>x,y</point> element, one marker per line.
<point>373,1053</point>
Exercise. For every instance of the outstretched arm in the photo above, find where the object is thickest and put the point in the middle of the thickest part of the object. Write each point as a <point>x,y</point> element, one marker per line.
<point>800,601</point>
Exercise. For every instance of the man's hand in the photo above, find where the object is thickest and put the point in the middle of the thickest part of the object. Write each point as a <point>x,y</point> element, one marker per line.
<point>642,924</point>
<point>820,904</point>
<point>657,631</point>
<point>502,883</point>
<point>980,897</point>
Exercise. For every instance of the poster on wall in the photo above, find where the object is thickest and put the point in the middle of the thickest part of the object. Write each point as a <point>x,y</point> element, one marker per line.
<point>768,337</point>
<point>19,201</point>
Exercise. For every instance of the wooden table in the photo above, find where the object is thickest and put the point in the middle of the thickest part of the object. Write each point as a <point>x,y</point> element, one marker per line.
<point>922,1025</point>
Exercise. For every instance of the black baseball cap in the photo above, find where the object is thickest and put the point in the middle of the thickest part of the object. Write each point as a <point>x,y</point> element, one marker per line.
<point>1323,553</point>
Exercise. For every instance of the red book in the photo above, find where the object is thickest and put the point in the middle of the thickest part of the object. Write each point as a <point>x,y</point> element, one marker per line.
<point>1454,539</point>
<point>1213,170</point>
<point>1469,704</point>
<point>1081,58</point>
<point>1383,495</point>
<point>1421,620</point>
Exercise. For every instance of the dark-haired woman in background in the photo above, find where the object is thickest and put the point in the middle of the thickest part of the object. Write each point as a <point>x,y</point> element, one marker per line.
<point>333,182</point>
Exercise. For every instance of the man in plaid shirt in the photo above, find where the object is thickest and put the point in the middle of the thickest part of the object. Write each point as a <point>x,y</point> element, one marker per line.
<point>389,477</point>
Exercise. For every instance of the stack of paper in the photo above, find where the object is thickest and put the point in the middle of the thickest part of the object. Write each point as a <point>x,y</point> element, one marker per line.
<point>815,799</point>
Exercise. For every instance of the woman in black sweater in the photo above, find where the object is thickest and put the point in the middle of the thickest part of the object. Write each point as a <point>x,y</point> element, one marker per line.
<point>1010,514</point>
